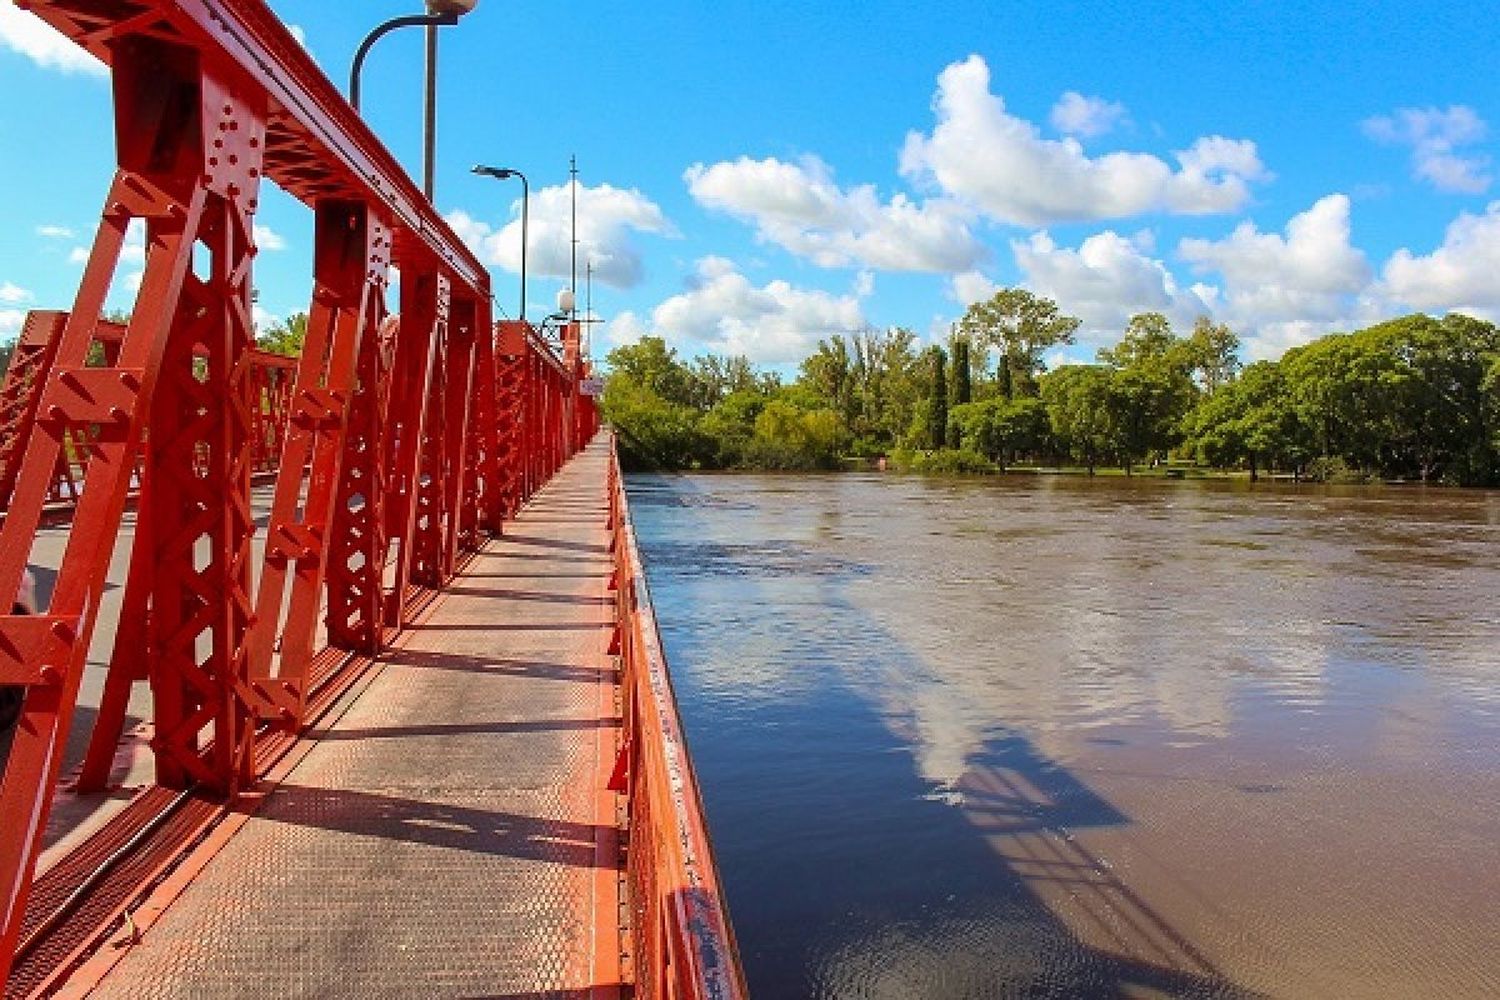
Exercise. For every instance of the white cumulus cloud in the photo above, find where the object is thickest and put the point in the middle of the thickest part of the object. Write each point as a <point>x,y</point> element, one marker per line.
<point>22,31</point>
<point>607,219</point>
<point>55,232</point>
<point>1284,289</point>
<point>10,323</point>
<point>1460,274</point>
<point>268,239</point>
<point>723,311</point>
<point>970,287</point>
<point>800,208</point>
<point>1435,135</point>
<point>12,294</point>
<point>1104,281</point>
<point>980,152</point>
<point>1075,114</point>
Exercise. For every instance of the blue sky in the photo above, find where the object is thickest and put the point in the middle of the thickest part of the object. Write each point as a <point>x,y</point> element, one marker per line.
<point>757,175</point>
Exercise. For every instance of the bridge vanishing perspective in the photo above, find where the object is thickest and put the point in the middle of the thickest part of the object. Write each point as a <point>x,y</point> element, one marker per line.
<point>418,735</point>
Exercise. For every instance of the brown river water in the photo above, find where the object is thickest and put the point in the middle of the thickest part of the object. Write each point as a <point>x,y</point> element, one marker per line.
<point>1060,737</point>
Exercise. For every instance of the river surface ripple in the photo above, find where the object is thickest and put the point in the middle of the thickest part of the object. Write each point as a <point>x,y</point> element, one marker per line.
<point>1059,737</point>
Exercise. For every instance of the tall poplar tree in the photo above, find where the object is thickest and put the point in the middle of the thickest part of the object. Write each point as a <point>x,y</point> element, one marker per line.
<point>937,413</point>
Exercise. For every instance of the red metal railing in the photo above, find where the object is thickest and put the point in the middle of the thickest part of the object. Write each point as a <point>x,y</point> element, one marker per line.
<point>682,944</point>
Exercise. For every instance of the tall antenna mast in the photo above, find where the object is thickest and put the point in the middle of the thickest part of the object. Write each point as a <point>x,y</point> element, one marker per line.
<point>588,300</point>
<point>573,187</point>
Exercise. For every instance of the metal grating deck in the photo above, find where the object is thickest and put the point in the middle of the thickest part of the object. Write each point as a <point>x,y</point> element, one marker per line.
<point>440,839</point>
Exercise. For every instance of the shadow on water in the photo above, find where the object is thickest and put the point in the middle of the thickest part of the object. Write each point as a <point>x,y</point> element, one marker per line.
<point>849,873</point>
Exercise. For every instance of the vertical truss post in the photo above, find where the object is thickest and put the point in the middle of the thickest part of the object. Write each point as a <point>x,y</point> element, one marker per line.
<point>431,496</point>
<point>481,505</point>
<point>198,462</point>
<point>463,334</point>
<point>539,424</point>
<point>350,259</point>
<point>424,320</point>
<point>357,550</point>
<point>508,470</point>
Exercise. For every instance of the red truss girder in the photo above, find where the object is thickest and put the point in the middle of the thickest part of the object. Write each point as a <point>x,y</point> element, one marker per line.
<point>397,445</point>
<point>316,145</point>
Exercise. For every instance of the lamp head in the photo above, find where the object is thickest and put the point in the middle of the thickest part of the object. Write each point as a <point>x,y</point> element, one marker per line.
<point>503,173</point>
<point>565,301</point>
<point>452,8</point>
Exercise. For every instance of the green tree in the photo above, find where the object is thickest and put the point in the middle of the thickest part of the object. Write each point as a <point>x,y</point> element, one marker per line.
<point>789,437</point>
<point>1215,353</point>
<point>937,412</point>
<point>1000,429</point>
<point>1152,387</point>
<point>830,371</point>
<point>1250,420</point>
<point>651,364</point>
<point>286,336</point>
<point>654,433</point>
<point>730,426</point>
<point>1023,327</point>
<point>963,386</point>
<point>710,378</point>
<point>1081,411</point>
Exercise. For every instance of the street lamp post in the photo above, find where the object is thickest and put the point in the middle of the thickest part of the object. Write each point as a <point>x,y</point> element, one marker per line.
<point>505,173</point>
<point>439,13</point>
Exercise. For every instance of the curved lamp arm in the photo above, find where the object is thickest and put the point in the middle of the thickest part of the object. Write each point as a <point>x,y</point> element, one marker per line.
<point>380,31</point>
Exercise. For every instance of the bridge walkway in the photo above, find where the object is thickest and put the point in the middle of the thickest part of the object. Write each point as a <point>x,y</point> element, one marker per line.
<point>449,832</point>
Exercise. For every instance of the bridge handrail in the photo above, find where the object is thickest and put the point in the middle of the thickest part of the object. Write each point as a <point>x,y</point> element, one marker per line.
<point>682,943</point>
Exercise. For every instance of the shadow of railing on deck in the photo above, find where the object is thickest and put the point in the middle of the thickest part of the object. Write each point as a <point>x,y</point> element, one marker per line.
<point>502,594</point>
<point>466,729</point>
<point>466,663</point>
<point>438,824</point>
<point>558,543</point>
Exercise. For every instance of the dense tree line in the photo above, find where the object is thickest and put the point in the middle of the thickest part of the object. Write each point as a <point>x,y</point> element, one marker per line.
<point>1415,398</point>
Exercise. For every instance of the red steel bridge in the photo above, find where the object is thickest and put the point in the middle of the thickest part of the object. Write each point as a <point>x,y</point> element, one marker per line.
<point>408,728</point>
